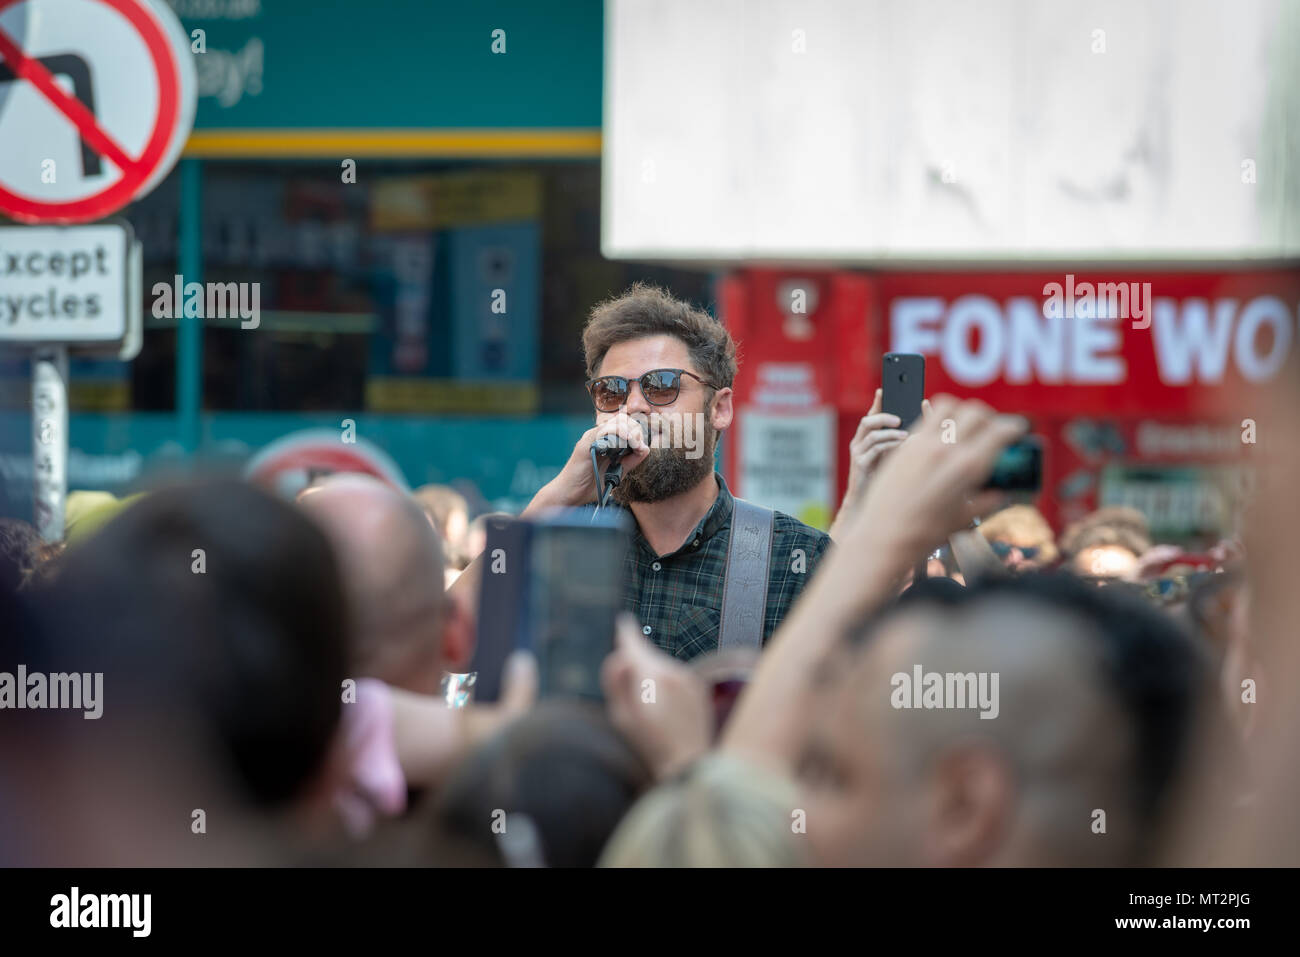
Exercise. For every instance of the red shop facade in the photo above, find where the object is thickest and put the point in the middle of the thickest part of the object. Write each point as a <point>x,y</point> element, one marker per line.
<point>1144,386</point>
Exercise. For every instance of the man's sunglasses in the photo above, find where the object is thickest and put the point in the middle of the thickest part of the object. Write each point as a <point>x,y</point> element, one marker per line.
<point>1176,588</point>
<point>1002,550</point>
<point>659,386</point>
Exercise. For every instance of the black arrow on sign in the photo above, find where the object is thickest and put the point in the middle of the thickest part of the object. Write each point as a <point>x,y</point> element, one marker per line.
<point>78,71</point>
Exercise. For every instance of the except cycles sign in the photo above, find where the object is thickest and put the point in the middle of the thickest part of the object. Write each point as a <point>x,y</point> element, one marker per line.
<point>96,101</point>
<point>60,285</point>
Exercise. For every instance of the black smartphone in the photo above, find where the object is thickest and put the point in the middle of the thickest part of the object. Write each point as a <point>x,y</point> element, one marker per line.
<point>553,585</point>
<point>577,592</point>
<point>902,384</point>
<point>1020,467</point>
<point>502,615</point>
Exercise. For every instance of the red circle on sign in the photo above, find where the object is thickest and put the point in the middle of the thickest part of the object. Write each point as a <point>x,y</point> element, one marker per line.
<point>133,177</point>
<point>321,456</point>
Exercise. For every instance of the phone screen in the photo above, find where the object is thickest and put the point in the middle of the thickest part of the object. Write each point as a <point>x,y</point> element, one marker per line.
<point>554,586</point>
<point>576,593</point>
<point>503,594</point>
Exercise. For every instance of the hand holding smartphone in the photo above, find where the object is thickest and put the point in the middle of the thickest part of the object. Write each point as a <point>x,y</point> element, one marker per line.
<point>902,386</point>
<point>1020,466</point>
<point>552,585</point>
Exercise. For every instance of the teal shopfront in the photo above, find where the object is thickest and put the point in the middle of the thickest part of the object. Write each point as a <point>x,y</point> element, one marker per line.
<point>414,188</point>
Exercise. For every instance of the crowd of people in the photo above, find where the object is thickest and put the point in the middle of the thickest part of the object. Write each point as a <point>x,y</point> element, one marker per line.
<point>274,672</point>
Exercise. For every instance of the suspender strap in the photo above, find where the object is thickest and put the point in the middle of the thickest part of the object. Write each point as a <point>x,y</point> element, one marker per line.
<point>744,591</point>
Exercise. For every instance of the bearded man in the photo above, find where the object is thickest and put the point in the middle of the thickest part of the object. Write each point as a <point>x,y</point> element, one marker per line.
<point>705,569</point>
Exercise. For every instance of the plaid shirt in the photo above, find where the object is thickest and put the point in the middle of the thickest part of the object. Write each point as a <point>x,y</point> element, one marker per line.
<point>677,597</point>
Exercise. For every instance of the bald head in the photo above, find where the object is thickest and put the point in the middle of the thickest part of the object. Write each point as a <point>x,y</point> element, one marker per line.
<point>392,568</point>
<point>1054,747</point>
<point>990,726</point>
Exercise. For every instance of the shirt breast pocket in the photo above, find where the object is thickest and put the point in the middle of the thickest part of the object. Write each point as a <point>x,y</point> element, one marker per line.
<point>697,632</point>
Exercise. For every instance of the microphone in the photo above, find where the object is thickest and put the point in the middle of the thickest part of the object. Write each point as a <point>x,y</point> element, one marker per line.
<point>611,447</point>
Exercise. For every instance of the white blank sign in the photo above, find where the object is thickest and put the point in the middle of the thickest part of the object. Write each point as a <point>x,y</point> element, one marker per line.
<point>877,131</point>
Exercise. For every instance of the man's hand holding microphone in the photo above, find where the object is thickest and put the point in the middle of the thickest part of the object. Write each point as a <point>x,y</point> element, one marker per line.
<point>576,483</point>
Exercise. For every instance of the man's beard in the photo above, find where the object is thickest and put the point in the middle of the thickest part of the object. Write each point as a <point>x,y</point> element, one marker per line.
<point>669,471</point>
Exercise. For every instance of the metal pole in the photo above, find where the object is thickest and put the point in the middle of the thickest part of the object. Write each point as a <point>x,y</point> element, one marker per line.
<point>189,331</point>
<point>50,439</point>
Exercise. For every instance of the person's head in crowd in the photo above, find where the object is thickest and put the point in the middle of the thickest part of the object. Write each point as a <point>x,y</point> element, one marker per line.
<point>1020,537</point>
<point>1070,708</point>
<point>562,770</point>
<point>1182,587</point>
<point>23,743</point>
<point>942,564</point>
<point>450,513</point>
<point>644,330</point>
<point>722,812</point>
<point>22,553</point>
<point>1109,543</point>
<point>217,619</point>
<point>407,632</point>
<point>938,588</point>
<point>1120,516</point>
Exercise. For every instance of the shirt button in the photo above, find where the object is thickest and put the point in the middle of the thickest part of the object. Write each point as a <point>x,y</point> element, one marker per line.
<point>645,629</point>
<point>695,544</point>
<point>656,566</point>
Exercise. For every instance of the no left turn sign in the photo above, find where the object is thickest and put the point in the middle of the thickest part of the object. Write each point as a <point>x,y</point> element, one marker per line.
<point>96,102</point>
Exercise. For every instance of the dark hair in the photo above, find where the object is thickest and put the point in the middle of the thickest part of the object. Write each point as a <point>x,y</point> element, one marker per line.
<point>1156,672</point>
<point>931,589</point>
<point>646,310</point>
<point>220,605</point>
<point>21,551</point>
<point>564,766</point>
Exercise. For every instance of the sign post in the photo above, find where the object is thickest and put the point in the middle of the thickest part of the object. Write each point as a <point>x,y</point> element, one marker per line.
<point>50,439</point>
<point>97,99</point>
<point>66,287</point>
